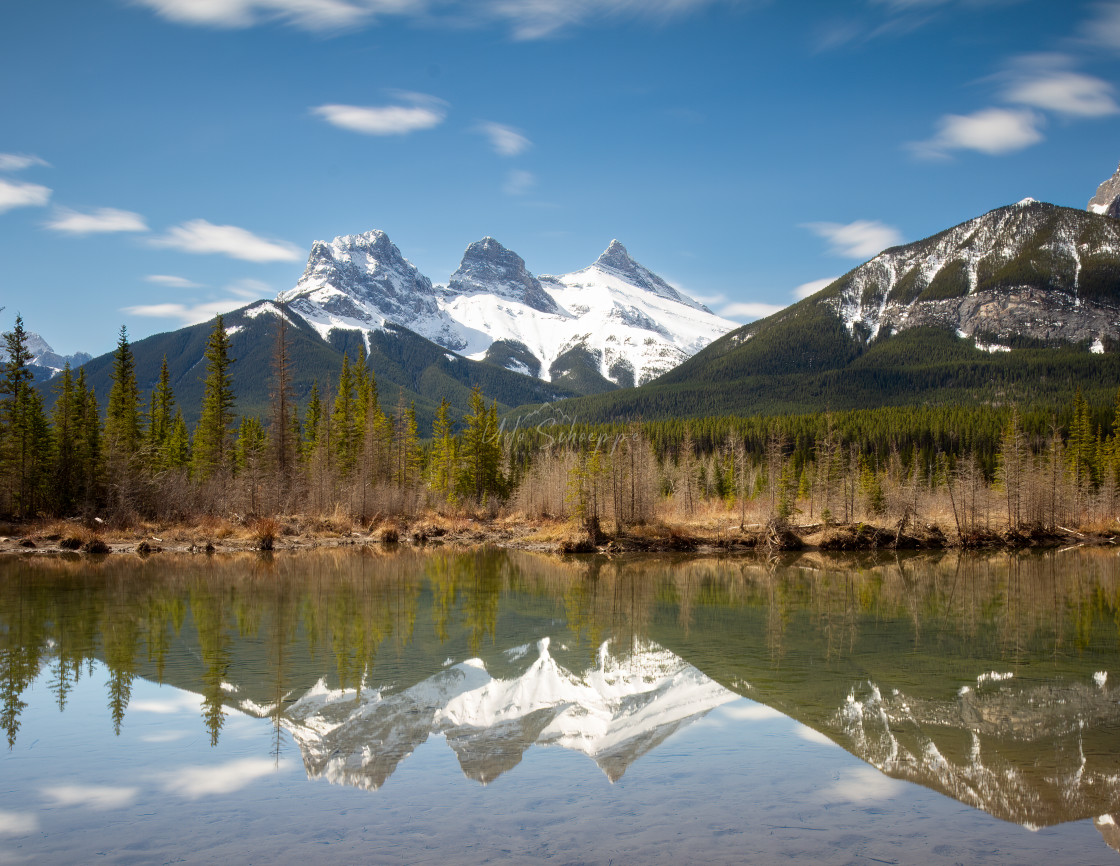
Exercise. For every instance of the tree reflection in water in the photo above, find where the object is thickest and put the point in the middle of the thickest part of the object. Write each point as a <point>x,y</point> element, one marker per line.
<point>889,658</point>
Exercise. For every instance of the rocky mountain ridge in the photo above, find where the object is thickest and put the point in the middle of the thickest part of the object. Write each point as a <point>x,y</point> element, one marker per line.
<point>612,323</point>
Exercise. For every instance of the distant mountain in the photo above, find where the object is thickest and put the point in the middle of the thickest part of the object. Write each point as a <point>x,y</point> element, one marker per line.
<point>1014,305</point>
<point>613,712</point>
<point>612,324</point>
<point>403,362</point>
<point>1107,199</point>
<point>46,363</point>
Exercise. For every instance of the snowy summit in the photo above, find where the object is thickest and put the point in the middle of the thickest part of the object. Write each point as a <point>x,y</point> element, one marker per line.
<point>615,316</point>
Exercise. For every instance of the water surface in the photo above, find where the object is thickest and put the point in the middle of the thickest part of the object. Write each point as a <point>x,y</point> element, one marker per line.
<point>499,706</point>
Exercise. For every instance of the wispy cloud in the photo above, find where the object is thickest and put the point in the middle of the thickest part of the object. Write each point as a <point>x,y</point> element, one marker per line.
<point>505,140</point>
<point>103,220</point>
<point>748,311</point>
<point>526,19</point>
<point>18,823</point>
<point>14,194</point>
<point>205,781</point>
<point>172,281</point>
<point>19,161</point>
<point>305,14</point>
<point>861,239</point>
<point>519,182</point>
<point>1103,28</point>
<point>200,236</point>
<point>192,311</point>
<point>98,797</point>
<point>1047,81</point>
<point>994,131</point>
<point>806,290</point>
<point>424,112</point>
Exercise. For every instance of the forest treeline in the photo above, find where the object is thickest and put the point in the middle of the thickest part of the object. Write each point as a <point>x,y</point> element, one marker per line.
<point>971,467</point>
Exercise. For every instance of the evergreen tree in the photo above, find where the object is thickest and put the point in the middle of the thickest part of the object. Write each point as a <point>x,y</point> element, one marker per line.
<point>122,421</point>
<point>480,451</point>
<point>442,462</point>
<point>211,438</point>
<point>160,406</point>
<point>343,418</point>
<point>177,448</point>
<point>281,423</point>
<point>64,423</point>
<point>24,433</point>
<point>88,445</point>
<point>311,421</point>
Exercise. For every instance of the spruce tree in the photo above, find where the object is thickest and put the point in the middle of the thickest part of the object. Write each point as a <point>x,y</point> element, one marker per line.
<point>211,439</point>
<point>24,433</point>
<point>160,406</point>
<point>122,420</point>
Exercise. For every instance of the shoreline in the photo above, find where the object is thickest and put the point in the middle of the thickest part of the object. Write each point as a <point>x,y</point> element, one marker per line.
<point>550,537</point>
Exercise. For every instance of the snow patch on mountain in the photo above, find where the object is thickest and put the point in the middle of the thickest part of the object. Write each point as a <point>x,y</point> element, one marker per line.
<point>626,317</point>
<point>615,712</point>
<point>1015,271</point>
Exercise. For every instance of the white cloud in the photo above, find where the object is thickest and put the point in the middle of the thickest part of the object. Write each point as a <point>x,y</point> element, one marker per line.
<point>172,281</point>
<point>860,785</point>
<point>91,796</point>
<point>519,182</point>
<point>810,288</point>
<point>750,310</point>
<point>200,236</point>
<point>527,19</point>
<point>425,112</point>
<point>192,312</point>
<point>861,239</point>
<point>14,194</point>
<point>188,314</point>
<point>994,131</point>
<point>1104,28</point>
<point>1046,81</point>
<point>306,14</point>
<point>205,781</point>
<point>18,823</point>
<point>505,140</point>
<point>101,221</point>
<point>19,161</point>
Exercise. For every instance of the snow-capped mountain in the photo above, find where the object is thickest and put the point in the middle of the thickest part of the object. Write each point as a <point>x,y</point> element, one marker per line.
<point>614,713</point>
<point>45,361</point>
<point>1030,270</point>
<point>1107,199</point>
<point>616,316</point>
<point>983,734</point>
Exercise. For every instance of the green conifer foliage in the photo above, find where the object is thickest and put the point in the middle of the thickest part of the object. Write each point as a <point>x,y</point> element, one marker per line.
<point>212,436</point>
<point>24,434</point>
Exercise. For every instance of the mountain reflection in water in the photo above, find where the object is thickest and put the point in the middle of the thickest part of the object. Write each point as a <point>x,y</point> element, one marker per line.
<point>615,712</point>
<point>992,679</point>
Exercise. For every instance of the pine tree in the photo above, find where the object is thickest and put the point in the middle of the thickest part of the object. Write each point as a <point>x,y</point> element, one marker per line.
<point>480,451</point>
<point>64,424</point>
<point>24,433</point>
<point>283,445</point>
<point>88,446</point>
<point>311,421</point>
<point>160,406</point>
<point>342,421</point>
<point>211,439</point>
<point>442,462</point>
<point>122,420</point>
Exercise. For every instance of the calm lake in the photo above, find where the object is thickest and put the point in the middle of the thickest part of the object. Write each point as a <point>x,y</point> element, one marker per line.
<point>447,707</point>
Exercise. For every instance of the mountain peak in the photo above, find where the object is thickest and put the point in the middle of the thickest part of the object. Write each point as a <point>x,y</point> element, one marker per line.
<point>1107,199</point>
<point>490,268</point>
<point>616,256</point>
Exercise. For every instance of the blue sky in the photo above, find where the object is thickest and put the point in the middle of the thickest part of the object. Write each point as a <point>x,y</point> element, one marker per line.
<point>164,159</point>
